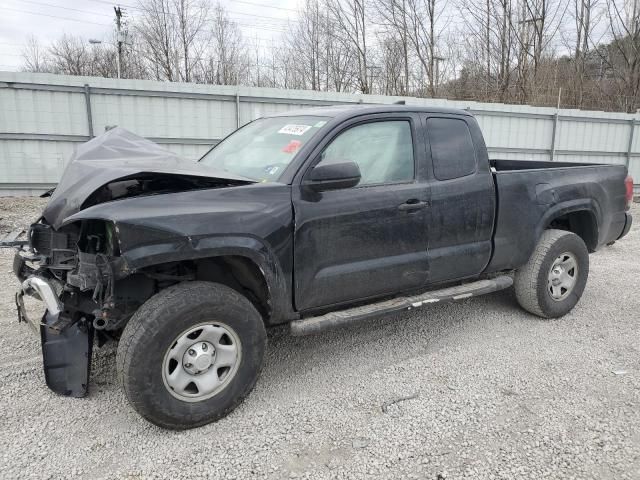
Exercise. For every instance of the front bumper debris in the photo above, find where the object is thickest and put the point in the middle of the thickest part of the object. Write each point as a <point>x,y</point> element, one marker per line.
<point>10,240</point>
<point>66,356</point>
<point>22,312</point>
<point>66,345</point>
<point>42,290</point>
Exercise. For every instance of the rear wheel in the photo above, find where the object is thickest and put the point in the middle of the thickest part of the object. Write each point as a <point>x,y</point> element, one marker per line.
<point>551,283</point>
<point>191,354</point>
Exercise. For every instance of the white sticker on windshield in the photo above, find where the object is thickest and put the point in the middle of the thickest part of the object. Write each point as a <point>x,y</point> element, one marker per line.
<point>321,123</point>
<point>294,129</point>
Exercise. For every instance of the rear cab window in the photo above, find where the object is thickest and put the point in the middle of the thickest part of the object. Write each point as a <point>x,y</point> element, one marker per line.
<point>452,151</point>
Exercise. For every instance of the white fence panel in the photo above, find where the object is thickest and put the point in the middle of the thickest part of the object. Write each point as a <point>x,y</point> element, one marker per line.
<point>43,117</point>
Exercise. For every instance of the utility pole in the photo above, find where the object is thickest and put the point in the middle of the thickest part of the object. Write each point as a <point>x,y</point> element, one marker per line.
<point>525,44</point>
<point>437,60</point>
<point>559,98</point>
<point>119,37</point>
<point>374,74</point>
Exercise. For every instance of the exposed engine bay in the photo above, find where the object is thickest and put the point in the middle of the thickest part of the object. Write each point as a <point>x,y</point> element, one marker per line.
<point>150,184</point>
<point>81,261</point>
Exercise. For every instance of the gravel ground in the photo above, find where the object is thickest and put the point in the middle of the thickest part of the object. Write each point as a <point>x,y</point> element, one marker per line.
<point>477,389</point>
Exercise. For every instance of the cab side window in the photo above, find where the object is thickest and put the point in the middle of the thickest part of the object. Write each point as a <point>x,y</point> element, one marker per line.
<point>452,150</point>
<point>382,150</point>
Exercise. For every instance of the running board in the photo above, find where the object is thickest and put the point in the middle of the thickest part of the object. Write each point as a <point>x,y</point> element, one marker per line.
<point>311,325</point>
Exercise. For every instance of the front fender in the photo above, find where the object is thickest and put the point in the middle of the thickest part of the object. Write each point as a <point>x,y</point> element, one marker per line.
<point>198,247</point>
<point>254,222</point>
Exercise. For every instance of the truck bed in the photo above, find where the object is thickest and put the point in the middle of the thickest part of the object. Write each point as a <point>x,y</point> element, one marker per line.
<point>530,193</point>
<point>511,165</point>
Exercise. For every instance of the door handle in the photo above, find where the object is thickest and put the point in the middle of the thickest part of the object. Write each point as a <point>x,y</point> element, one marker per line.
<point>412,204</point>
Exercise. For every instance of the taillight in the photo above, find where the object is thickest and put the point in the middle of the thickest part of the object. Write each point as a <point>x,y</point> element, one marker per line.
<point>628,183</point>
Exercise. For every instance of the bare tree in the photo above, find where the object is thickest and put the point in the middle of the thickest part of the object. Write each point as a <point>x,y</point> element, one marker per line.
<point>158,34</point>
<point>340,59</point>
<point>393,15</point>
<point>228,60</point>
<point>36,59</point>
<point>318,54</point>
<point>623,53</point>
<point>308,38</point>
<point>102,61</point>
<point>538,25</point>
<point>192,17</point>
<point>424,35</point>
<point>393,72</point>
<point>584,14</point>
<point>503,50</point>
<point>134,62</point>
<point>352,19</point>
<point>504,15</point>
<point>70,56</point>
<point>489,28</point>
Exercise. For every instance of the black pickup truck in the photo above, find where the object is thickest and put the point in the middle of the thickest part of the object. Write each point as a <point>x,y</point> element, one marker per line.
<point>313,218</point>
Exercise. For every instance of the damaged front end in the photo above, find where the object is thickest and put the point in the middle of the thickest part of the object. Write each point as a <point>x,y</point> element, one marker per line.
<point>76,265</point>
<point>73,271</point>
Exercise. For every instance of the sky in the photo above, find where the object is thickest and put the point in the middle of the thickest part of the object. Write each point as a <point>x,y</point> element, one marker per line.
<point>260,21</point>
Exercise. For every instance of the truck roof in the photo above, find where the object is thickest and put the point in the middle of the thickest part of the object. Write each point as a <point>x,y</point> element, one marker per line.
<point>346,111</point>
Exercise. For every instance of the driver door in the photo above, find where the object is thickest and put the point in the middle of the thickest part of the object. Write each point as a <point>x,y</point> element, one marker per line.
<point>369,240</point>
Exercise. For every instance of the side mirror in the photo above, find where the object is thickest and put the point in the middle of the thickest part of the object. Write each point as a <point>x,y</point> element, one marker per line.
<point>334,176</point>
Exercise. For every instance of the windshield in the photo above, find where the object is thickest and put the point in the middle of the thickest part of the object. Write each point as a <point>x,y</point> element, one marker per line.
<point>262,149</point>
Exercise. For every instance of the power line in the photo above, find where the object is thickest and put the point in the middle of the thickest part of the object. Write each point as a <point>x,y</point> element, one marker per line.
<point>262,16</point>
<point>258,27</point>
<point>55,16</point>
<point>264,6</point>
<point>111,4</point>
<point>272,28</point>
<point>65,8</point>
<point>146,10</point>
<point>264,26</point>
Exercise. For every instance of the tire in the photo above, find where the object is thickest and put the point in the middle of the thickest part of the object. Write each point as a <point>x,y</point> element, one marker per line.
<point>534,291</point>
<point>157,331</point>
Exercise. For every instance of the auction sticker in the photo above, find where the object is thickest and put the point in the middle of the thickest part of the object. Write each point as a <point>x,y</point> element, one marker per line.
<point>292,146</point>
<point>294,129</point>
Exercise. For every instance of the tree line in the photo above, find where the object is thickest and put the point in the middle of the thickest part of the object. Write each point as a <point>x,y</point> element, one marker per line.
<point>576,53</point>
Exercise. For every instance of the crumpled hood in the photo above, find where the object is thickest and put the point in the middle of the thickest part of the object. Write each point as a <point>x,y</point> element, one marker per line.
<point>119,154</point>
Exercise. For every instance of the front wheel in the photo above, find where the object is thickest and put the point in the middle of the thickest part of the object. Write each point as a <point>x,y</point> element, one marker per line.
<point>191,354</point>
<point>552,281</point>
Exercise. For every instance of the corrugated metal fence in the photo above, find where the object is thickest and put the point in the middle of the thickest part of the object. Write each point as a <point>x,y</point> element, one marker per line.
<point>43,116</point>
